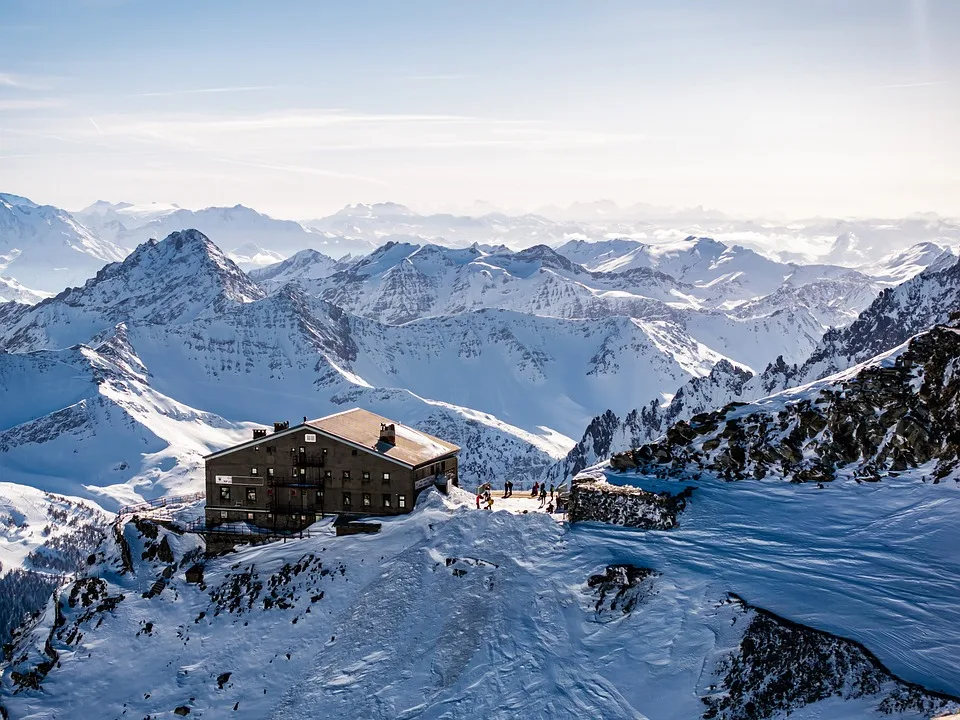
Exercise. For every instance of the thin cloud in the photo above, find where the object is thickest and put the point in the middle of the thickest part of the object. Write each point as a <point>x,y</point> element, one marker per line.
<point>22,82</point>
<point>304,170</point>
<point>37,104</point>
<point>898,86</point>
<point>202,91</point>
<point>437,77</point>
<point>94,123</point>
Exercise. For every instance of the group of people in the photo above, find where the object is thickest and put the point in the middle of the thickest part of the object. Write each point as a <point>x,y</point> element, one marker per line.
<point>485,497</point>
<point>550,499</point>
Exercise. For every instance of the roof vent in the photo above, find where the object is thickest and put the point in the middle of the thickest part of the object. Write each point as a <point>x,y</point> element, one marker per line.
<point>279,426</point>
<point>259,433</point>
<point>388,433</point>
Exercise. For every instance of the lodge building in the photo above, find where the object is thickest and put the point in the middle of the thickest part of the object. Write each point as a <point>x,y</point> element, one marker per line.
<point>352,462</point>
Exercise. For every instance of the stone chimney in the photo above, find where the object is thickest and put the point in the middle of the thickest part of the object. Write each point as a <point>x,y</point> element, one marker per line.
<point>388,433</point>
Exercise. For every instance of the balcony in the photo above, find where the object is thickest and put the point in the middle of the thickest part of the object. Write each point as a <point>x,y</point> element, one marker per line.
<point>316,460</point>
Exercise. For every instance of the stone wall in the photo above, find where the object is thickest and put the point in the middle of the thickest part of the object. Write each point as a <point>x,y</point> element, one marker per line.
<point>593,499</point>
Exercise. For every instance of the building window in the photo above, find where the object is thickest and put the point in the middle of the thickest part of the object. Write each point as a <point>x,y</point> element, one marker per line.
<point>223,514</point>
<point>303,472</point>
<point>366,475</point>
<point>253,471</point>
<point>320,498</point>
<point>354,451</point>
<point>386,477</point>
<point>367,500</point>
<point>346,474</point>
<point>249,516</point>
<point>251,494</point>
<point>387,501</point>
<point>328,474</point>
<point>271,449</point>
<point>224,493</point>
<point>346,500</point>
<point>256,448</point>
<point>401,501</point>
<point>269,472</point>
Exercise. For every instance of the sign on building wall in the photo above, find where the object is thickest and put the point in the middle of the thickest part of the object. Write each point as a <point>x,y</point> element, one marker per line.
<point>310,437</point>
<point>224,480</point>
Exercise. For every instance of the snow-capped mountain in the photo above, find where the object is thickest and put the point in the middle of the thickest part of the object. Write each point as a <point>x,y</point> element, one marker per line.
<point>897,314</point>
<point>377,222</point>
<point>234,227</point>
<point>12,291</point>
<point>45,248</point>
<point>895,413</point>
<point>898,267</point>
<point>171,281</point>
<point>302,268</point>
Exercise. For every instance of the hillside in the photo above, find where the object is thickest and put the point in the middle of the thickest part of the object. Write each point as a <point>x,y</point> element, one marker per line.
<point>546,620</point>
<point>895,413</point>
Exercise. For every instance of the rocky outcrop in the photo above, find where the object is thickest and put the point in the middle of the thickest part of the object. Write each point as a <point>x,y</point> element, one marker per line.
<point>620,588</point>
<point>898,412</point>
<point>781,666</point>
<point>592,499</point>
<point>897,314</point>
<point>608,433</point>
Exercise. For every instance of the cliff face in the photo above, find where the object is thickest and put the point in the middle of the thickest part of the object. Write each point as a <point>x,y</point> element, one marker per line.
<point>896,412</point>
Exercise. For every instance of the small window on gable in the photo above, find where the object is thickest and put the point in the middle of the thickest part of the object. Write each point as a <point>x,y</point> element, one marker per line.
<point>271,449</point>
<point>253,471</point>
<point>354,451</point>
<point>256,448</point>
<point>386,477</point>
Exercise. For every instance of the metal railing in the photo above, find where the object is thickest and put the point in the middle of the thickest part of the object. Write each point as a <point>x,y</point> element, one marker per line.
<point>160,502</point>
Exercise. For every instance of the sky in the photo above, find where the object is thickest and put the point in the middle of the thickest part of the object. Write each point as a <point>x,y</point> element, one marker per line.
<point>755,107</point>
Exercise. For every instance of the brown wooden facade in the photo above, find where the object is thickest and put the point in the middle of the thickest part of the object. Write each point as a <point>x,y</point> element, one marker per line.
<point>290,478</point>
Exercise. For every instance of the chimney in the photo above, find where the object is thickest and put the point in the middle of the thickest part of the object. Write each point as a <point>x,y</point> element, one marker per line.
<point>259,433</point>
<point>388,433</point>
<point>280,426</point>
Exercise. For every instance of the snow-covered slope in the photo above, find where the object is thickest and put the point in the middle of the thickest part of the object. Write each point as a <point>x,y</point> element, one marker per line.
<point>901,266</point>
<point>456,613</point>
<point>45,248</point>
<point>897,314</point>
<point>302,268</point>
<point>13,291</point>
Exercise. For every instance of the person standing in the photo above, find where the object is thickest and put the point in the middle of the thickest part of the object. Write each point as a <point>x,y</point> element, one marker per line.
<point>543,494</point>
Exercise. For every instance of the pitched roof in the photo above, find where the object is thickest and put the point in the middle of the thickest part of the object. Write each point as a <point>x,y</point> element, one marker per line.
<point>362,428</point>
